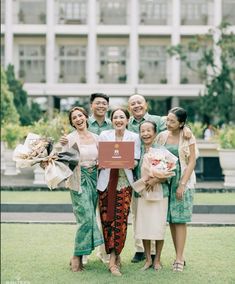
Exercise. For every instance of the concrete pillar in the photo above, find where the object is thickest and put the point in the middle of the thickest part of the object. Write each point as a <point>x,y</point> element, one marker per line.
<point>8,32</point>
<point>50,43</point>
<point>175,39</point>
<point>175,102</point>
<point>134,45</point>
<point>50,105</point>
<point>91,68</point>
<point>217,22</point>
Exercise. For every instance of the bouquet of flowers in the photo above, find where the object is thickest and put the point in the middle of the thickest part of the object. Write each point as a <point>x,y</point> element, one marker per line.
<point>160,163</point>
<point>34,150</point>
<point>58,166</point>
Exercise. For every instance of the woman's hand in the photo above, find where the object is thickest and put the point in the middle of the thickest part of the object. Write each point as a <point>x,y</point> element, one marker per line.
<point>148,188</point>
<point>180,192</point>
<point>162,174</point>
<point>43,164</point>
<point>152,181</point>
<point>187,133</point>
<point>63,140</point>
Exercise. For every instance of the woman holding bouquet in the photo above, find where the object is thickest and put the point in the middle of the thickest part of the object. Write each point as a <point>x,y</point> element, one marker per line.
<point>181,186</point>
<point>151,212</point>
<point>115,192</point>
<point>83,187</point>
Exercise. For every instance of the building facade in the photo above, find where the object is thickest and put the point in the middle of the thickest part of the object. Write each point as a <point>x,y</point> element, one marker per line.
<point>65,49</point>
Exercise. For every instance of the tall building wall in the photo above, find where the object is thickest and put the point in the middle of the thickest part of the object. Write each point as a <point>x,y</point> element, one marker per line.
<point>71,48</point>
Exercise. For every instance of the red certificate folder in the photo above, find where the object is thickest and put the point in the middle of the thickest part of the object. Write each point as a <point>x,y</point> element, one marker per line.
<point>116,155</point>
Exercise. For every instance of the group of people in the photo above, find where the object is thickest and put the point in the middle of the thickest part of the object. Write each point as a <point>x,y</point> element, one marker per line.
<point>103,198</point>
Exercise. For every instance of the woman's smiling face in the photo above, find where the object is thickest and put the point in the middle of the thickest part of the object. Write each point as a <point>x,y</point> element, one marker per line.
<point>119,120</point>
<point>147,133</point>
<point>79,120</point>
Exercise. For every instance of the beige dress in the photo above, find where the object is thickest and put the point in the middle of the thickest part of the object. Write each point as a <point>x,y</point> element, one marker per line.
<point>151,215</point>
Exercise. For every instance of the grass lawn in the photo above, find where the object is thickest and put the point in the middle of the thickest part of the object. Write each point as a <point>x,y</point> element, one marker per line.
<point>64,197</point>
<point>39,254</point>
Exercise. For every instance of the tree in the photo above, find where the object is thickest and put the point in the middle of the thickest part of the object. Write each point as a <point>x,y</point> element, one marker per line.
<point>217,102</point>
<point>8,109</point>
<point>27,115</point>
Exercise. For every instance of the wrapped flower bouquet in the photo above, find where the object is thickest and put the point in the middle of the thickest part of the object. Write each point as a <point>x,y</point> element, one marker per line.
<point>58,166</point>
<point>159,163</point>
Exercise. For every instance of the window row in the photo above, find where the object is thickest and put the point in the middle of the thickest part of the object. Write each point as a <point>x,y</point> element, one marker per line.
<point>117,12</point>
<point>112,64</point>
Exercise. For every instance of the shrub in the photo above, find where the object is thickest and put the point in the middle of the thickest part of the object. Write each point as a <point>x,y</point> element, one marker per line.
<point>197,129</point>
<point>13,134</point>
<point>54,128</point>
<point>226,137</point>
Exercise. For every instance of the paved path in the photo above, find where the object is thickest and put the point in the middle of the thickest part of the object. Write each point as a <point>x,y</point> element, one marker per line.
<point>26,177</point>
<point>68,218</point>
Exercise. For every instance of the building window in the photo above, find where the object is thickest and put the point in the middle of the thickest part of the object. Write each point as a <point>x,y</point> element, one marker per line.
<point>113,12</point>
<point>113,64</point>
<point>152,68</point>
<point>32,63</point>
<point>153,12</point>
<point>72,64</point>
<point>3,12</point>
<point>2,55</point>
<point>73,12</point>
<point>31,12</point>
<point>228,13</point>
<point>191,75</point>
<point>195,12</point>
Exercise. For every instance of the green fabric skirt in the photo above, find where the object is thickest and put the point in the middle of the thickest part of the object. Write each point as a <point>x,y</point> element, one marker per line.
<point>88,235</point>
<point>179,211</point>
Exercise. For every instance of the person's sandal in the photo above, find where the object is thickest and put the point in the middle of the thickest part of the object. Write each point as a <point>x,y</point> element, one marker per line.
<point>114,270</point>
<point>178,266</point>
<point>175,261</point>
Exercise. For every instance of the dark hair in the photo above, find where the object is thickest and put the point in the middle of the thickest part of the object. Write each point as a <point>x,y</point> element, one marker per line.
<point>98,95</point>
<point>123,110</point>
<point>81,109</point>
<point>151,122</point>
<point>180,113</point>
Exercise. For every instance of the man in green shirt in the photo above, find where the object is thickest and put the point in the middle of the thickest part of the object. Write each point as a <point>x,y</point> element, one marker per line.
<point>137,106</point>
<point>98,121</point>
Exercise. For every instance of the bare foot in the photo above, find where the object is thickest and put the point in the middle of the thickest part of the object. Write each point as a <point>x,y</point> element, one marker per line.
<point>76,264</point>
<point>147,265</point>
<point>157,266</point>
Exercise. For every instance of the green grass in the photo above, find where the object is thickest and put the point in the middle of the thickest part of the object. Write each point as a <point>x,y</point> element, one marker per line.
<point>215,198</point>
<point>35,197</point>
<point>40,254</point>
<point>64,197</point>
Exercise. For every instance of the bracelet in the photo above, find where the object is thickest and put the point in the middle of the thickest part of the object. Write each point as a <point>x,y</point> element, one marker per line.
<point>183,183</point>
